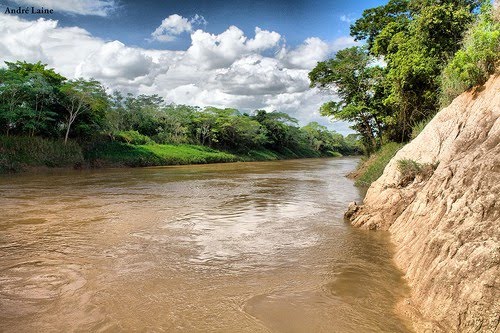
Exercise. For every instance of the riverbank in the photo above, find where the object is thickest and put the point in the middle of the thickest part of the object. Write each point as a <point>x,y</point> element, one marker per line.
<point>20,154</point>
<point>444,219</point>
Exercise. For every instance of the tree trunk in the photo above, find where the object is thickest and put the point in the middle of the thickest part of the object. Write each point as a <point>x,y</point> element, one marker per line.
<point>71,119</point>
<point>67,133</point>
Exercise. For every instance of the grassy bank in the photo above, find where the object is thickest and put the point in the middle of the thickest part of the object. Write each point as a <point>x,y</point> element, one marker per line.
<point>371,168</point>
<point>18,153</point>
<point>122,154</point>
<point>21,153</point>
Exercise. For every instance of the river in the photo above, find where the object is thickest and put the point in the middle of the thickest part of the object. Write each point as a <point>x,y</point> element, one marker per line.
<point>239,247</point>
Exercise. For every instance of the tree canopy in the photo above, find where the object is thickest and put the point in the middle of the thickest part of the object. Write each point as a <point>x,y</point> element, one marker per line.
<point>415,39</point>
<point>358,83</point>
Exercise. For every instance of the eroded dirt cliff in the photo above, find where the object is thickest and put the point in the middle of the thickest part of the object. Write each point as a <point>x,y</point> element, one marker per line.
<point>447,228</point>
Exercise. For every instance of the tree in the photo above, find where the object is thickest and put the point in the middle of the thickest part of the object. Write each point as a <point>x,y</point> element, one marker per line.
<point>281,129</point>
<point>205,129</point>
<point>82,96</point>
<point>175,124</point>
<point>41,97</point>
<point>415,37</point>
<point>240,132</point>
<point>28,96</point>
<point>12,92</point>
<point>143,113</point>
<point>359,86</point>
<point>374,20</point>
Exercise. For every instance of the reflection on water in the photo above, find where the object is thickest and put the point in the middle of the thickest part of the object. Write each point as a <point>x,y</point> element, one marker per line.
<point>242,247</point>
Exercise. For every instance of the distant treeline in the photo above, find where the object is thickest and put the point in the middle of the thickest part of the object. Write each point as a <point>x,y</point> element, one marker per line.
<point>37,101</point>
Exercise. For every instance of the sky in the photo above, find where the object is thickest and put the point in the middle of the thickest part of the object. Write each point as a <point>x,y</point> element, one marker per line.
<point>250,54</point>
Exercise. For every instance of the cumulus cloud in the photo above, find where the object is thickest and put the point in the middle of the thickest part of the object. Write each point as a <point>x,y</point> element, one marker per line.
<point>174,25</point>
<point>306,55</point>
<point>42,40</point>
<point>115,61</point>
<point>263,40</point>
<point>80,7</point>
<point>313,50</point>
<point>258,75</point>
<point>217,51</point>
<point>343,42</point>
<point>228,69</point>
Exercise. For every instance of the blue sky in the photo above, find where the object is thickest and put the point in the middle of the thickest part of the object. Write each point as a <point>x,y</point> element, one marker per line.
<point>132,21</point>
<point>250,54</point>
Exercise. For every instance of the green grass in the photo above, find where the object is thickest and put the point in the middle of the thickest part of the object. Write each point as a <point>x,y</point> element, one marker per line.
<point>18,153</point>
<point>122,154</point>
<point>372,168</point>
<point>263,154</point>
<point>260,155</point>
<point>410,170</point>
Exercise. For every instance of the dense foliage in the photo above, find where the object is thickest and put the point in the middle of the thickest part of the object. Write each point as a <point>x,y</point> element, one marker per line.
<point>477,59</point>
<point>35,101</point>
<point>431,50</point>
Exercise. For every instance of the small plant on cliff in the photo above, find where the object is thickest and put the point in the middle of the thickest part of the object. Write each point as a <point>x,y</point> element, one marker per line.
<point>410,170</point>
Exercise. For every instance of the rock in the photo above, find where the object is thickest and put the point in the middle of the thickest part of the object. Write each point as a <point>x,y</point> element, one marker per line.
<point>447,228</point>
<point>351,210</point>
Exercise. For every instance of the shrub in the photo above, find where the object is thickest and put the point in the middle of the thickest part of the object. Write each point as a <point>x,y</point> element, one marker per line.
<point>478,58</point>
<point>372,168</point>
<point>410,170</point>
<point>16,153</point>
<point>132,137</point>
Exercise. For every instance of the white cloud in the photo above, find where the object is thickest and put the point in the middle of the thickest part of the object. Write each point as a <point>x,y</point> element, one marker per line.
<point>306,55</point>
<point>223,70</point>
<point>114,61</point>
<point>258,75</point>
<point>346,18</point>
<point>42,40</point>
<point>80,7</point>
<point>174,25</point>
<point>313,50</point>
<point>343,42</point>
<point>263,40</point>
<point>218,51</point>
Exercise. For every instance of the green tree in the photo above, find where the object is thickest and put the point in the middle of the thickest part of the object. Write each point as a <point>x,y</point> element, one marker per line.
<point>28,96</point>
<point>416,38</point>
<point>142,113</point>
<point>175,124</point>
<point>240,132</point>
<point>281,129</point>
<point>396,13</point>
<point>359,87</point>
<point>82,96</point>
<point>205,128</point>
<point>42,97</point>
<point>12,93</point>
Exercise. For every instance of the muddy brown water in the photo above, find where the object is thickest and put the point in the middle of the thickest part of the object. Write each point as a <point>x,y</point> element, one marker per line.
<point>241,247</point>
